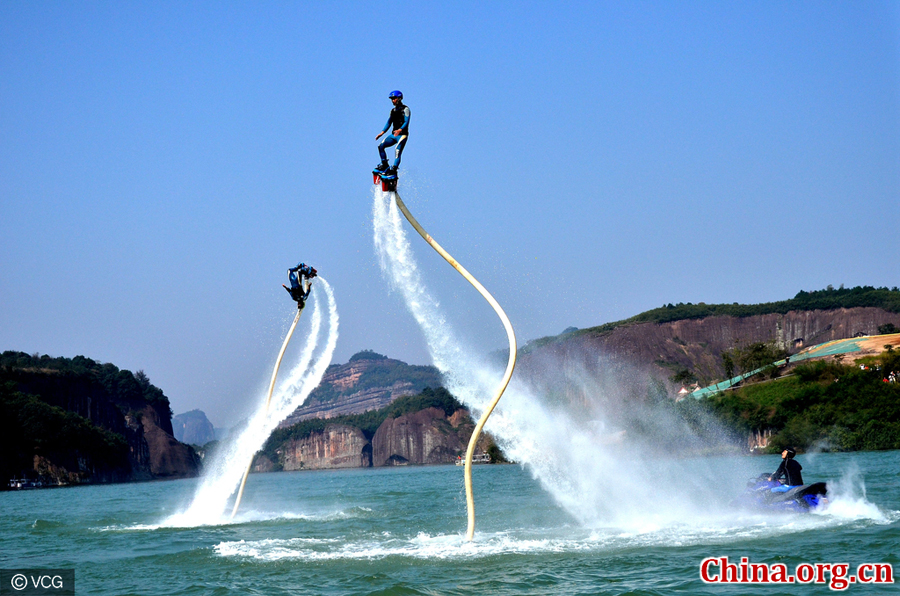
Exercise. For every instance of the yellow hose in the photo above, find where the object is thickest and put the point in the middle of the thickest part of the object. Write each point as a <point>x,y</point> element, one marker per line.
<point>470,500</point>
<point>287,339</point>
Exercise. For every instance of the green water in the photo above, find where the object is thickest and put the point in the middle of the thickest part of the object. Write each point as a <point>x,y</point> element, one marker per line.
<point>401,531</point>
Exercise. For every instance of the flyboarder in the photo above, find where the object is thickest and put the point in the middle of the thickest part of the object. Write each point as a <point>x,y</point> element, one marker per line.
<point>297,275</point>
<point>398,124</point>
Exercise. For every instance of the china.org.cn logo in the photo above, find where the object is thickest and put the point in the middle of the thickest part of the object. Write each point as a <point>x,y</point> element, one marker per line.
<point>37,582</point>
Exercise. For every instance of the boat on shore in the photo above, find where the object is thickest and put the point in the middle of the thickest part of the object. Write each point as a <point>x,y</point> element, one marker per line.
<point>477,458</point>
<point>24,484</point>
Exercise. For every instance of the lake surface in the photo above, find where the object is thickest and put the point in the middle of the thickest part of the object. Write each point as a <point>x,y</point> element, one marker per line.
<point>402,531</point>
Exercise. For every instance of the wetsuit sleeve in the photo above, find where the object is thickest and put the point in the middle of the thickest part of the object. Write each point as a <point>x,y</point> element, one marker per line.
<point>405,125</point>
<point>388,125</point>
<point>780,471</point>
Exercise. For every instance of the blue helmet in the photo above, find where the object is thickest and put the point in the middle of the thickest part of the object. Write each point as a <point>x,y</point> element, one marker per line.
<point>395,94</point>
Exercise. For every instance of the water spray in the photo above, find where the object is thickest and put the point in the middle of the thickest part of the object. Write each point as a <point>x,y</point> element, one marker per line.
<point>299,276</point>
<point>470,500</point>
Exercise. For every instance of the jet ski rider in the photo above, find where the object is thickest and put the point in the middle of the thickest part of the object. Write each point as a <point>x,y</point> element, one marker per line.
<point>789,469</point>
<point>398,123</point>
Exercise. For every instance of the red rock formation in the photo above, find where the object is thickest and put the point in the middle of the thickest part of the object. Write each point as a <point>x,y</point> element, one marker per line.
<point>168,457</point>
<point>338,446</point>
<point>425,437</point>
<point>697,344</point>
<point>350,389</point>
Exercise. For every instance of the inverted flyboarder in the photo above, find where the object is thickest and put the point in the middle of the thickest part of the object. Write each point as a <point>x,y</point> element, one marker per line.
<point>297,276</point>
<point>398,124</point>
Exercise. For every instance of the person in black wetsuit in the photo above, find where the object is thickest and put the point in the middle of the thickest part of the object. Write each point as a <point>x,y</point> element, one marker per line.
<point>789,469</point>
<point>296,275</point>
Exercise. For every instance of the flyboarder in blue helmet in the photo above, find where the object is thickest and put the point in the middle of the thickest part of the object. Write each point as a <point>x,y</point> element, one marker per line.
<point>299,276</point>
<point>398,124</point>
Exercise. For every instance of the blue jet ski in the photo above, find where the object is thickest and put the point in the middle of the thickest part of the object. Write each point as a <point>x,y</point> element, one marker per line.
<point>797,499</point>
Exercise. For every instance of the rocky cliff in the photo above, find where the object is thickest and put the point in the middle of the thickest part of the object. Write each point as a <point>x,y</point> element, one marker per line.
<point>82,421</point>
<point>338,446</point>
<point>694,344</point>
<point>169,458</point>
<point>369,381</point>
<point>424,437</point>
<point>427,436</point>
<point>429,428</point>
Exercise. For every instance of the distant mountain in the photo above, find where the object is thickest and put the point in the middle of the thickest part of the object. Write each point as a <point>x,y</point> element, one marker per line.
<point>369,381</point>
<point>193,428</point>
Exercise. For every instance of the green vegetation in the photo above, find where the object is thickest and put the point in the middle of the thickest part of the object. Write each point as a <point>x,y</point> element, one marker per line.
<point>684,377</point>
<point>29,427</point>
<point>826,403</point>
<point>367,422</point>
<point>70,411</point>
<point>367,355</point>
<point>122,386</point>
<point>887,329</point>
<point>744,359</point>
<point>382,372</point>
<point>827,299</point>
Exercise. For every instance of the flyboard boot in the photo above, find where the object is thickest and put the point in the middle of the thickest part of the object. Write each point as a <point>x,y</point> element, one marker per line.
<point>387,177</point>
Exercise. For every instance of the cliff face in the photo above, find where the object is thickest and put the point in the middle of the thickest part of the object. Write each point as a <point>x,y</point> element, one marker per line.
<point>698,344</point>
<point>108,403</point>
<point>338,446</point>
<point>428,436</point>
<point>168,457</point>
<point>425,437</point>
<point>361,385</point>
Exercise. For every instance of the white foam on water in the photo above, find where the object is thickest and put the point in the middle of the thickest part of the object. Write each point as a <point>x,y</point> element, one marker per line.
<point>530,541</point>
<point>222,475</point>
<point>250,516</point>
<point>847,500</point>
<point>572,451</point>
<point>422,546</point>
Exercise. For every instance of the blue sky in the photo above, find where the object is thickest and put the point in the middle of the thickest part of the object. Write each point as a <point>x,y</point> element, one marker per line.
<point>163,163</point>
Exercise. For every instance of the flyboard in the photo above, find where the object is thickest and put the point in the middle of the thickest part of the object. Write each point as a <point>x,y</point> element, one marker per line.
<point>389,184</point>
<point>387,179</point>
<point>301,284</point>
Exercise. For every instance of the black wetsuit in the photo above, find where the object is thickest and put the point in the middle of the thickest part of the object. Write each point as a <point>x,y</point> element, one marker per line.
<point>790,469</point>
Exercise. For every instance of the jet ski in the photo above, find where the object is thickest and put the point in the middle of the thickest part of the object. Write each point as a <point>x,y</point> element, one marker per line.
<point>797,499</point>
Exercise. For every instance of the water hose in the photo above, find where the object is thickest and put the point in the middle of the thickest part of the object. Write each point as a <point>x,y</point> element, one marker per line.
<point>470,500</point>
<point>287,339</point>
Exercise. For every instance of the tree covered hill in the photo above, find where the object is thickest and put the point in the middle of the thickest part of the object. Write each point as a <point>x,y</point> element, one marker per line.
<point>827,299</point>
<point>371,371</point>
<point>368,422</point>
<point>123,387</point>
<point>368,381</point>
<point>73,420</point>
